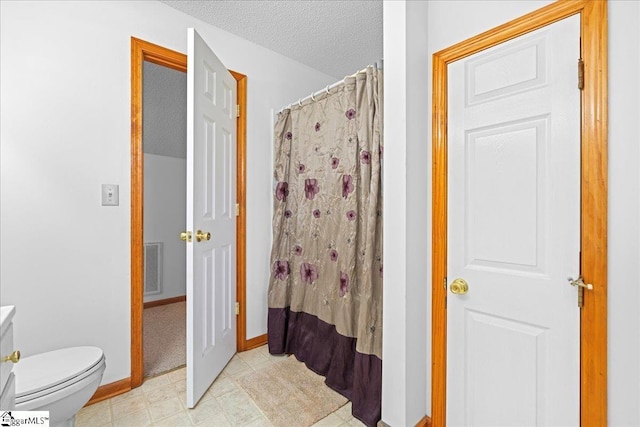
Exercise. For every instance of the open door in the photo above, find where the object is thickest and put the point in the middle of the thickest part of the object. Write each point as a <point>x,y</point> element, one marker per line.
<point>211,217</point>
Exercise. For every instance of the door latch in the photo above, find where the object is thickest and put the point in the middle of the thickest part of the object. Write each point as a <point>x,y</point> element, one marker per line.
<point>580,283</point>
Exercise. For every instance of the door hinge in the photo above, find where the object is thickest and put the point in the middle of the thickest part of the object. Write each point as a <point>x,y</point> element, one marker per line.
<point>580,74</point>
<point>237,308</point>
<point>237,110</point>
<point>237,209</point>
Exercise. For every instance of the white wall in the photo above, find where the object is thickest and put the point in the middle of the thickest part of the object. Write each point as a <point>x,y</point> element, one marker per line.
<point>624,214</point>
<point>446,23</point>
<point>165,181</point>
<point>65,129</point>
<point>407,214</point>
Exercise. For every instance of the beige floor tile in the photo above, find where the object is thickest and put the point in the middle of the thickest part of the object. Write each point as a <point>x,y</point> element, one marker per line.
<point>208,413</point>
<point>222,386</point>
<point>354,422</point>
<point>161,401</point>
<point>126,407</point>
<point>253,356</point>
<point>155,382</point>
<point>332,420</point>
<point>180,385</point>
<point>345,412</point>
<point>180,419</point>
<point>95,415</point>
<point>160,393</point>
<point>177,375</point>
<point>164,408</point>
<point>259,422</point>
<point>128,395</point>
<point>138,418</point>
<point>182,397</point>
<point>239,408</point>
<point>235,366</point>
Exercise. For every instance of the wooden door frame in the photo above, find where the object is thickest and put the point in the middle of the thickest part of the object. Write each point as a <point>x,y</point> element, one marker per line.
<point>144,51</point>
<point>593,262</point>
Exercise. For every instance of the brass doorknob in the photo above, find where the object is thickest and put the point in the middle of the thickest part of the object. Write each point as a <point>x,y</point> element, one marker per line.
<point>185,236</point>
<point>13,357</point>
<point>459,287</point>
<point>201,235</point>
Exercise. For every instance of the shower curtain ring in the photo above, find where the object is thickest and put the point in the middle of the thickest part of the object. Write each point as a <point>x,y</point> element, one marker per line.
<point>312,98</point>
<point>300,102</point>
<point>327,90</point>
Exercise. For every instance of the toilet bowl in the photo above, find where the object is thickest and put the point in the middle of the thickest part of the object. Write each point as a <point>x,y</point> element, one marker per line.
<point>59,381</point>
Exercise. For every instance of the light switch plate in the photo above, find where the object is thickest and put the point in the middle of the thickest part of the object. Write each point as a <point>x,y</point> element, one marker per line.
<point>110,196</point>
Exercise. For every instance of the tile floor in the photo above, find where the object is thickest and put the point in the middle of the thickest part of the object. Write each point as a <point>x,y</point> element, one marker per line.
<point>160,401</point>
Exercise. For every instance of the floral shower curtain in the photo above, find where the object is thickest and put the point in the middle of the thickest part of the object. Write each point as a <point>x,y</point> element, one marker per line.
<point>325,291</point>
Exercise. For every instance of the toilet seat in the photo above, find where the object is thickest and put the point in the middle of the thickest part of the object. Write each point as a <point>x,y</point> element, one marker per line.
<point>46,373</point>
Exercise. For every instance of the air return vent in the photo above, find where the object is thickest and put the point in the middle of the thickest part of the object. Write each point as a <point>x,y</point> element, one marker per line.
<point>152,268</point>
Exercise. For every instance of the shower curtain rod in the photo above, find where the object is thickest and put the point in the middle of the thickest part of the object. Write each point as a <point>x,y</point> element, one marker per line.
<point>377,65</point>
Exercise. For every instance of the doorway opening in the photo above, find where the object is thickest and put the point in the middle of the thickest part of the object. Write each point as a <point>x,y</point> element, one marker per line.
<point>142,51</point>
<point>164,118</point>
<point>593,240</point>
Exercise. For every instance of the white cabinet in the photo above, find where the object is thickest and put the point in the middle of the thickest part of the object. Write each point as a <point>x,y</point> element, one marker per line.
<point>8,356</point>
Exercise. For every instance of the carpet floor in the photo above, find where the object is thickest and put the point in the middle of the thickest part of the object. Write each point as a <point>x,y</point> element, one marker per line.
<point>164,338</point>
<point>290,394</point>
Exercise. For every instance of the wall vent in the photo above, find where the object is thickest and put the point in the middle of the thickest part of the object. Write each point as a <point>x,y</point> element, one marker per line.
<point>153,268</point>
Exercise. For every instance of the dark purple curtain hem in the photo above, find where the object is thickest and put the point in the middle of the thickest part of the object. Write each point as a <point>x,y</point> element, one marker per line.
<point>356,376</point>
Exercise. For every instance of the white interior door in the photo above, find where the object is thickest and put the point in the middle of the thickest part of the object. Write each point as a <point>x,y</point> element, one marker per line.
<point>211,198</point>
<point>514,232</point>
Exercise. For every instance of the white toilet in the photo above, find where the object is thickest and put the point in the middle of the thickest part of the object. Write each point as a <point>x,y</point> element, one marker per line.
<point>59,381</point>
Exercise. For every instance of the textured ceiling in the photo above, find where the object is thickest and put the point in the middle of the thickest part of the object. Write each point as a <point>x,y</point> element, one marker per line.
<point>333,36</point>
<point>164,114</point>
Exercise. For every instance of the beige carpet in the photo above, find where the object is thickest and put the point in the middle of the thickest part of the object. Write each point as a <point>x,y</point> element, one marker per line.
<point>164,338</point>
<point>290,394</point>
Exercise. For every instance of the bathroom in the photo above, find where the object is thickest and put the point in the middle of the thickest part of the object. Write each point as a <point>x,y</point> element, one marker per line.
<point>75,288</point>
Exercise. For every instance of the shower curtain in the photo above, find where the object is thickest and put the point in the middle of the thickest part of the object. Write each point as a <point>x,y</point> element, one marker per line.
<point>325,290</point>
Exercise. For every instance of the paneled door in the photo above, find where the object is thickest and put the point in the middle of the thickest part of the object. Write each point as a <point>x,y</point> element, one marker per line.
<point>211,217</point>
<point>514,232</point>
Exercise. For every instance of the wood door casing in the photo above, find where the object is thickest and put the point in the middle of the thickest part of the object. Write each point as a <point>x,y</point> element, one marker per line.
<point>594,126</point>
<point>145,51</point>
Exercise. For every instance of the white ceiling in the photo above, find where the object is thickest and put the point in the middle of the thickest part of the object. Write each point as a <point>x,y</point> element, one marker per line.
<point>337,37</point>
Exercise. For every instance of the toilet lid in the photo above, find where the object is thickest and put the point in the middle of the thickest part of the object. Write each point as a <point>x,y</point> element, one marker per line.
<point>46,370</point>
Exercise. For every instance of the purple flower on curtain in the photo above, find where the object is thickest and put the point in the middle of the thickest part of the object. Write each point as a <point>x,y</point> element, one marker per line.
<point>311,188</point>
<point>281,270</point>
<point>301,168</point>
<point>333,254</point>
<point>287,214</point>
<point>308,272</point>
<point>316,213</point>
<point>288,135</point>
<point>351,113</point>
<point>381,151</point>
<point>335,162</point>
<point>347,185</point>
<point>297,249</point>
<point>282,191</point>
<point>351,215</point>
<point>344,284</point>
<point>365,157</point>
<point>317,127</point>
